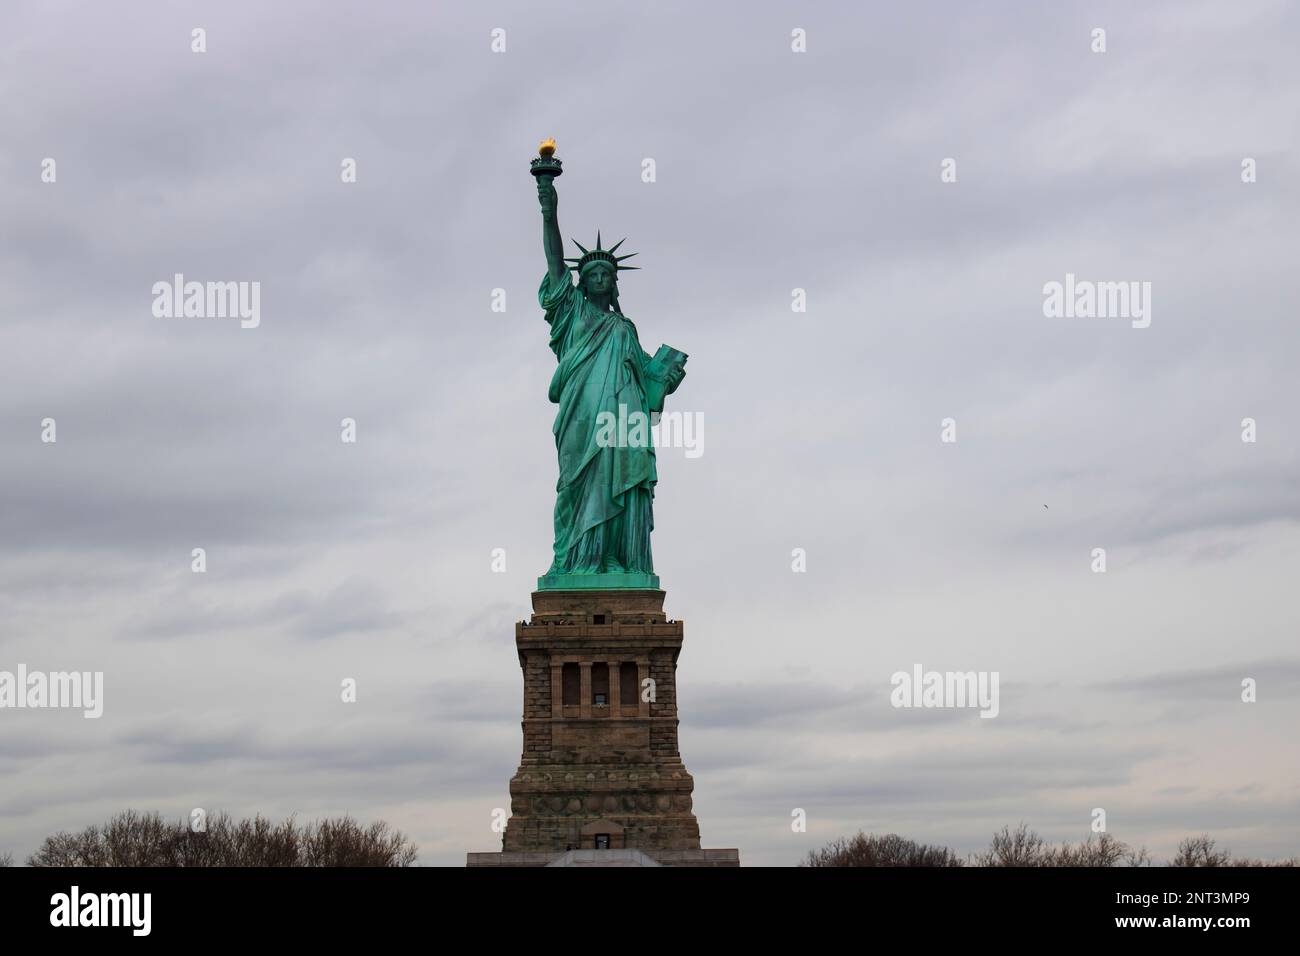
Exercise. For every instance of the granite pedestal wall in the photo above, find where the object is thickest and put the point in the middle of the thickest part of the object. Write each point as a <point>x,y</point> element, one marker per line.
<point>601,767</point>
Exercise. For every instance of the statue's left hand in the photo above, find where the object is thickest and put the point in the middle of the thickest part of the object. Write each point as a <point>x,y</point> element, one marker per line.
<point>675,378</point>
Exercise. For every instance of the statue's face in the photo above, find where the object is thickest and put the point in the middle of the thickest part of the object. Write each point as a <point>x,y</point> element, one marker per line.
<point>599,280</point>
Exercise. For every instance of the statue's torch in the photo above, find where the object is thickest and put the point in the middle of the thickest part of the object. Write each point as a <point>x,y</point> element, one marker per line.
<point>546,164</point>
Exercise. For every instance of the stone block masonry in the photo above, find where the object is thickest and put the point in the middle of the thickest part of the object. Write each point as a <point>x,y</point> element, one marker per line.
<point>600,768</point>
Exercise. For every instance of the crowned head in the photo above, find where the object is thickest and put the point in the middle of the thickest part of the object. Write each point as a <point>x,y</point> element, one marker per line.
<point>600,259</point>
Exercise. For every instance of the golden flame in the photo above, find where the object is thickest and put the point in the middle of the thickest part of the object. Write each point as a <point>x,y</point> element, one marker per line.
<point>547,149</point>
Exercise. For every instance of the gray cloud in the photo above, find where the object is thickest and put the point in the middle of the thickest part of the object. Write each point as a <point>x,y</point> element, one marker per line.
<point>775,171</point>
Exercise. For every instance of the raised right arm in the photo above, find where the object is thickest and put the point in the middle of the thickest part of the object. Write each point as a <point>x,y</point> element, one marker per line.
<point>552,244</point>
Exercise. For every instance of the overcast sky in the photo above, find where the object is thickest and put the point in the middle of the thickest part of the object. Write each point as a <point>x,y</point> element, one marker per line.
<point>775,171</point>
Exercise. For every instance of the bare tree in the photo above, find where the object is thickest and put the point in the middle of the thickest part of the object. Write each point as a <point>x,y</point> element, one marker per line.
<point>135,839</point>
<point>876,850</point>
<point>1023,847</point>
<point>344,842</point>
<point>1200,851</point>
<point>1138,857</point>
<point>1251,861</point>
<point>1100,849</point>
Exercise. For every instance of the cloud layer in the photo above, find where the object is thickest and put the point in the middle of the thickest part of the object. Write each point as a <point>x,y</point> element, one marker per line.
<point>775,171</point>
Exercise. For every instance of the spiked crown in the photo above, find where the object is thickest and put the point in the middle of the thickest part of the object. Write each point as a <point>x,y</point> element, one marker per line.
<point>599,255</point>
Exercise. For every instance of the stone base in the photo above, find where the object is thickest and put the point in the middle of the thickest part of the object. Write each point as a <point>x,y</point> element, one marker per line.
<point>600,767</point>
<point>624,581</point>
<point>597,607</point>
<point>710,858</point>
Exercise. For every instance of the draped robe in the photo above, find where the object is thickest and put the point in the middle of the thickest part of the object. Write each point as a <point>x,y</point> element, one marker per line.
<point>603,514</point>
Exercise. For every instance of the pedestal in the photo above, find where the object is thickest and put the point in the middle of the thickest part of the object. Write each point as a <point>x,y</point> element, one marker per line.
<point>600,768</point>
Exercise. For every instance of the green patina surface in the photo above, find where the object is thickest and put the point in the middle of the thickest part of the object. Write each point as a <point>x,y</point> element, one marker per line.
<point>605,494</point>
<point>598,582</point>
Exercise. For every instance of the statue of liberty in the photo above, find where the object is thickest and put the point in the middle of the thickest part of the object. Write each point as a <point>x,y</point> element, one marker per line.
<point>603,379</point>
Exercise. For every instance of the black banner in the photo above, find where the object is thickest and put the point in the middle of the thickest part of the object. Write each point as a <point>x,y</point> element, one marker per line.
<point>928,905</point>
